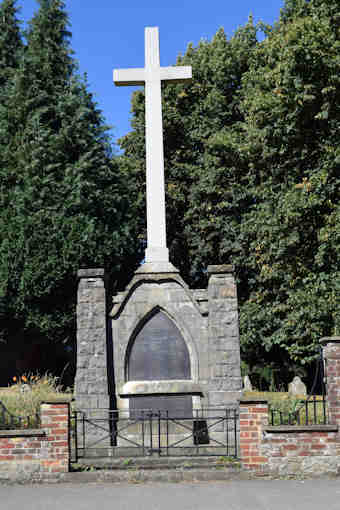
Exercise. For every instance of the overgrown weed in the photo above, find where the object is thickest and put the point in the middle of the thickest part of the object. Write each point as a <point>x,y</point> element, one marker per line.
<point>24,396</point>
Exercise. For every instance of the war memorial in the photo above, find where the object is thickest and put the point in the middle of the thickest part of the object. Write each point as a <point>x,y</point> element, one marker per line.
<point>157,346</point>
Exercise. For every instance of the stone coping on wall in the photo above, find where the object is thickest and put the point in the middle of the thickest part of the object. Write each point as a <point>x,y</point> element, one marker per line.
<point>58,400</point>
<point>22,433</point>
<point>329,340</point>
<point>221,269</point>
<point>178,387</point>
<point>253,400</point>
<point>97,272</point>
<point>280,429</point>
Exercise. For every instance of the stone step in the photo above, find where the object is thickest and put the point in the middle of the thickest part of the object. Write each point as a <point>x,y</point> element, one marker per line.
<point>140,475</point>
<point>137,452</point>
<point>157,469</point>
<point>158,463</point>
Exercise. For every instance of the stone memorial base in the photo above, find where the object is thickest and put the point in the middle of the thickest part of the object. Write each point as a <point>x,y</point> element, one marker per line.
<point>172,350</point>
<point>199,357</point>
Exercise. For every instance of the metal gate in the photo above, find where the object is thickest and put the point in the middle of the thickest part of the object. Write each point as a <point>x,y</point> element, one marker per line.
<point>107,433</point>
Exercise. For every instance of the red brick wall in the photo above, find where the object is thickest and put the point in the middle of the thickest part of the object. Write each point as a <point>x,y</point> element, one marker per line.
<point>331,353</point>
<point>253,417</point>
<point>55,420</point>
<point>286,450</point>
<point>24,453</point>
<point>299,443</point>
<point>291,450</point>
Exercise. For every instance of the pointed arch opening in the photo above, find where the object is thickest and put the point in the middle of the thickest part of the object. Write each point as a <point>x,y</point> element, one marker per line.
<point>158,351</point>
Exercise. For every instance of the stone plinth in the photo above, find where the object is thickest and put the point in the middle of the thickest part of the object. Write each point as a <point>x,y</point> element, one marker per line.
<point>173,349</point>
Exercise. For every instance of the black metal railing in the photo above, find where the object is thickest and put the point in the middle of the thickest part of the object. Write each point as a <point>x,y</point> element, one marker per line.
<point>206,432</point>
<point>312,411</point>
<point>9,421</point>
<point>309,411</point>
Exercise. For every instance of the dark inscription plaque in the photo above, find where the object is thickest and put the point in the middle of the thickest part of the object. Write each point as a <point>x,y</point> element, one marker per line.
<point>159,352</point>
<point>173,406</point>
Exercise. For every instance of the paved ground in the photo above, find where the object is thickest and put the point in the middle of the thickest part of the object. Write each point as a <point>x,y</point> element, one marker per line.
<point>230,495</point>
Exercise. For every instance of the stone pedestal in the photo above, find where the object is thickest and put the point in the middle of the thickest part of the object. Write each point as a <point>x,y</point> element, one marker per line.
<point>174,350</point>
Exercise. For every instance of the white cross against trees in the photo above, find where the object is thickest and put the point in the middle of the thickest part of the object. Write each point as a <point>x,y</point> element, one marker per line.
<point>151,76</point>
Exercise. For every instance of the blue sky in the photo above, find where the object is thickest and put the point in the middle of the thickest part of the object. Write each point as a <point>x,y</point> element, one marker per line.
<point>108,34</point>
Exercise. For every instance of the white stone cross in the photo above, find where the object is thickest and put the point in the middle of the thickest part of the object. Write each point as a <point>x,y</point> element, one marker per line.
<point>151,76</point>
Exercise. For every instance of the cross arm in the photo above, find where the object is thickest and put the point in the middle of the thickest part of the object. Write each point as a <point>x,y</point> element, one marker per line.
<point>176,74</point>
<point>122,77</point>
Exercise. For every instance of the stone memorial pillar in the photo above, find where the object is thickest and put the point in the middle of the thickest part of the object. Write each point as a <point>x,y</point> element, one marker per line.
<point>224,342</point>
<point>91,382</point>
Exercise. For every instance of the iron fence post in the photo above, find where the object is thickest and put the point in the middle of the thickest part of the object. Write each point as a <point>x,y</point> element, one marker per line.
<point>227,431</point>
<point>150,427</point>
<point>76,434</point>
<point>167,433</point>
<point>143,433</point>
<point>159,433</point>
<point>235,433</point>
<point>83,426</point>
<point>195,432</point>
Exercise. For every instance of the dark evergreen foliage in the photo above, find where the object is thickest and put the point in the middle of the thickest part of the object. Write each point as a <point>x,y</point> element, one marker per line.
<point>68,202</point>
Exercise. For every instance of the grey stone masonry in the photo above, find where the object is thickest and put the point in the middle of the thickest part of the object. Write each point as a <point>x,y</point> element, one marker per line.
<point>225,382</point>
<point>91,382</point>
<point>206,318</point>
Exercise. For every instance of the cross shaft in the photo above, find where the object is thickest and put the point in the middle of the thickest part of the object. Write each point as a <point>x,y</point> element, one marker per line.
<point>151,76</point>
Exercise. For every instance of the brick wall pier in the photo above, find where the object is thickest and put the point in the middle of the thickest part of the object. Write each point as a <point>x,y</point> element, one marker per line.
<point>34,454</point>
<point>293,450</point>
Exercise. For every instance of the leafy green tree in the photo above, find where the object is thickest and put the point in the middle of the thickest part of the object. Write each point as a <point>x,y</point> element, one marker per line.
<point>252,177</point>
<point>69,199</point>
<point>291,105</point>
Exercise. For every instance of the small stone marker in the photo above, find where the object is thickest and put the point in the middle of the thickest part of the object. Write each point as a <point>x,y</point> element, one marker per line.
<point>247,386</point>
<point>152,76</point>
<point>297,387</point>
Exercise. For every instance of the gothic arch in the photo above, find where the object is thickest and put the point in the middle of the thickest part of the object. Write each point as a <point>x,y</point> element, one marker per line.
<point>153,319</point>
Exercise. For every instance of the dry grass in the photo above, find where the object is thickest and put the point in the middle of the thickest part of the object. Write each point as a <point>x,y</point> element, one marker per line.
<point>24,396</point>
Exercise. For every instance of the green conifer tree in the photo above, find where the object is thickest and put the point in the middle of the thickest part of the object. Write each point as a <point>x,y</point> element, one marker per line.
<point>69,199</point>
<point>11,47</point>
<point>10,41</point>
